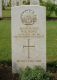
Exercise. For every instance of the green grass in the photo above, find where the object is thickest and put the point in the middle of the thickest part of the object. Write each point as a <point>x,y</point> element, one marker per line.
<point>5,40</point>
<point>53,15</point>
<point>7,12</point>
<point>51,41</point>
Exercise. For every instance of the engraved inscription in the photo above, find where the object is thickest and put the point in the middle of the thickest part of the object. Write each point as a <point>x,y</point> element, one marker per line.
<point>29,30</point>
<point>28,46</point>
<point>28,60</point>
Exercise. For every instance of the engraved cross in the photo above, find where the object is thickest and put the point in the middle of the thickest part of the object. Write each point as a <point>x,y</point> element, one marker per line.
<point>28,46</point>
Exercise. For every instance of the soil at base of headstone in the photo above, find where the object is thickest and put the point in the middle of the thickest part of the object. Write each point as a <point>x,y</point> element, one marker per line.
<point>6,73</point>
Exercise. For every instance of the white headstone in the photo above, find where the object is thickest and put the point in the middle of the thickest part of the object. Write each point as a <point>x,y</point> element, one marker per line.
<point>0,8</point>
<point>15,2</point>
<point>56,2</point>
<point>6,2</point>
<point>34,2</point>
<point>20,2</point>
<point>28,37</point>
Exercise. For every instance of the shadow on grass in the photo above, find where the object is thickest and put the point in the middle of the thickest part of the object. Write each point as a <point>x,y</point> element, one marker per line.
<point>52,66</point>
<point>6,71</point>
<point>5,18</point>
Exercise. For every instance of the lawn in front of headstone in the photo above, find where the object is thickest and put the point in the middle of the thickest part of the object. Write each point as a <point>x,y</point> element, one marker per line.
<point>5,40</point>
<point>51,41</point>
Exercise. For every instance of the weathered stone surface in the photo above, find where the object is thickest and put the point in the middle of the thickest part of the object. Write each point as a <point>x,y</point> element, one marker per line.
<point>28,37</point>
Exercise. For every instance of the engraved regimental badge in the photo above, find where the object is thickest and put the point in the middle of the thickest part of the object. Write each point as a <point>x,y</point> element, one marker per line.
<point>28,17</point>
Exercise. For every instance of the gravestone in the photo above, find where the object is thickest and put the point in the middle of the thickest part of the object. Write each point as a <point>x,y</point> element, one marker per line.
<point>17,2</point>
<point>0,8</point>
<point>28,36</point>
<point>56,2</point>
<point>6,2</point>
<point>34,2</point>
